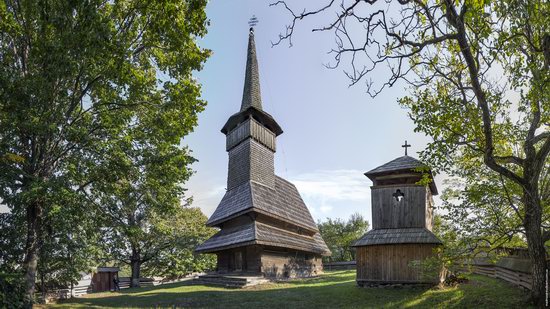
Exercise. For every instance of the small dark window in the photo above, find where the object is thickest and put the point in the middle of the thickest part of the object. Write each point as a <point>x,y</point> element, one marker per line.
<point>398,195</point>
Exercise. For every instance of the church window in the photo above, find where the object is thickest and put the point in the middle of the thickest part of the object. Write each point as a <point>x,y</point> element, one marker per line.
<point>398,195</point>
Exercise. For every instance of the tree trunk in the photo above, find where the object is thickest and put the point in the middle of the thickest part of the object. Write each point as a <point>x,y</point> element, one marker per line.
<point>42,288</point>
<point>535,244</point>
<point>135,263</point>
<point>34,214</point>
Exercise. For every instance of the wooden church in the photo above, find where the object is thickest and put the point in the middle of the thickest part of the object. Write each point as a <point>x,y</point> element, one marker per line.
<point>401,233</point>
<point>265,227</point>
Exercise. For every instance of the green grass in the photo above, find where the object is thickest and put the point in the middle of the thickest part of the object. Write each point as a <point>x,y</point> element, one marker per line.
<point>332,290</point>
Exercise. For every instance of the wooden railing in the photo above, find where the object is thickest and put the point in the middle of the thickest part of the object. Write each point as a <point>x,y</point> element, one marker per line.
<point>124,282</point>
<point>514,270</point>
<point>511,269</point>
<point>340,265</point>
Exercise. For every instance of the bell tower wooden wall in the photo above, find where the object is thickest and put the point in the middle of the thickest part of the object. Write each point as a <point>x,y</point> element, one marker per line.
<point>413,209</point>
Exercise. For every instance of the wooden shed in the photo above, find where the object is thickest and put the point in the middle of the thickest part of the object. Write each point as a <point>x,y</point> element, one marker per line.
<point>102,279</point>
<point>401,237</point>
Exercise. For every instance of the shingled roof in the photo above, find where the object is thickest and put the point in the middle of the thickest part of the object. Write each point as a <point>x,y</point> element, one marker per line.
<point>404,163</point>
<point>397,236</point>
<point>282,202</point>
<point>263,234</point>
<point>251,105</point>
<point>258,114</point>
<point>251,93</point>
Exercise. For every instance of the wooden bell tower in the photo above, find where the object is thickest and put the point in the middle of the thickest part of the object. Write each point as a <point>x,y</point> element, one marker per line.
<point>402,222</point>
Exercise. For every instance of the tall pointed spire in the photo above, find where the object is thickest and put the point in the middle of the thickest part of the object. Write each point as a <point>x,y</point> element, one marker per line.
<point>251,92</point>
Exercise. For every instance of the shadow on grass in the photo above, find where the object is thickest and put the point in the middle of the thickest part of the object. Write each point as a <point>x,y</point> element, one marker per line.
<point>333,290</point>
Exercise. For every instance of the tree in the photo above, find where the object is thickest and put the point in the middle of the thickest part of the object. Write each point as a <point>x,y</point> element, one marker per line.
<point>72,73</point>
<point>162,245</point>
<point>478,76</point>
<point>11,243</point>
<point>340,235</point>
<point>67,245</point>
<point>183,231</point>
<point>490,220</point>
<point>139,183</point>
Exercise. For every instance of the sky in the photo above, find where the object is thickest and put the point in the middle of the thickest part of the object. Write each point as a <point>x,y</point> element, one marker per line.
<point>333,133</point>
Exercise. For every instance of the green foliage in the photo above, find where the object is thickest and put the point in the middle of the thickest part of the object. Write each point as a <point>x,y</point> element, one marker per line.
<point>339,235</point>
<point>85,86</point>
<point>12,291</point>
<point>183,231</point>
<point>69,247</point>
<point>477,74</point>
<point>487,213</point>
<point>11,242</point>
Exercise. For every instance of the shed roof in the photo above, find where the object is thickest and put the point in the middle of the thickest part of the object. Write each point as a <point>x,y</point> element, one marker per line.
<point>263,234</point>
<point>397,236</point>
<point>282,202</point>
<point>106,269</point>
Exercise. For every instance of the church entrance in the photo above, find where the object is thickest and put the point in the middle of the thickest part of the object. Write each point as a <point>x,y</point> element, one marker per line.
<point>238,266</point>
<point>237,261</point>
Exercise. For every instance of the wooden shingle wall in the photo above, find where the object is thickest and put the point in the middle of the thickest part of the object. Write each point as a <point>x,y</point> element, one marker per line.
<point>250,128</point>
<point>250,160</point>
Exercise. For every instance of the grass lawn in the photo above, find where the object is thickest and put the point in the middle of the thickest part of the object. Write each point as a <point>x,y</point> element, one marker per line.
<point>333,290</point>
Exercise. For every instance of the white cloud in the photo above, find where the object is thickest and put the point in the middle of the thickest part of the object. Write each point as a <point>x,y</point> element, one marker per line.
<point>350,185</point>
<point>334,193</point>
<point>207,199</point>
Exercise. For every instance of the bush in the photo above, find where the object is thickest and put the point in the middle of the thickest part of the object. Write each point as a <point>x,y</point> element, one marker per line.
<point>12,291</point>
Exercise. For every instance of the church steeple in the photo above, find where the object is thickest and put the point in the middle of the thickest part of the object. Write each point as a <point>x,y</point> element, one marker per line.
<point>251,105</point>
<point>261,214</point>
<point>251,133</point>
<point>251,92</point>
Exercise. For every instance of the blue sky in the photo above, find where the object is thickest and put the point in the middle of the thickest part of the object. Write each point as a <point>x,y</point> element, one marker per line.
<point>332,133</point>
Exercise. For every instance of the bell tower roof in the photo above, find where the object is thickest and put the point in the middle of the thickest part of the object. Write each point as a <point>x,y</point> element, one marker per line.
<point>402,166</point>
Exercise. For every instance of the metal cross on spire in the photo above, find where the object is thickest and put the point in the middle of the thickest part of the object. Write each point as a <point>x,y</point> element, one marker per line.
<point>253,22</point>
<point>406,146</point>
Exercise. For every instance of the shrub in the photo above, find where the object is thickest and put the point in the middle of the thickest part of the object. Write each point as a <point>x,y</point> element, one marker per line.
<point>12,291</point>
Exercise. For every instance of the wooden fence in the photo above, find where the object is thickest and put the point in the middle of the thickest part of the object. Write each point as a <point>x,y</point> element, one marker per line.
<point>124,282</point>
<point>515,270</point>
<point>511,269</point>
<point>339,265</point>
